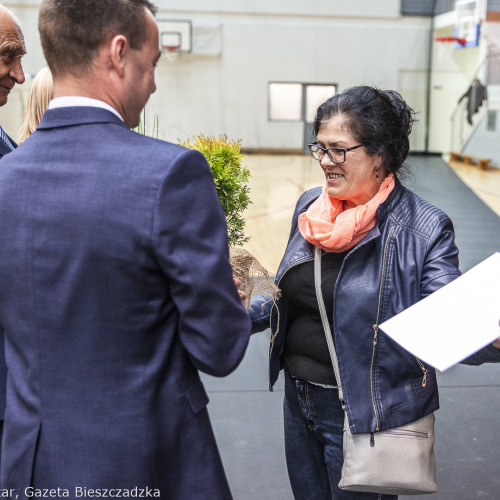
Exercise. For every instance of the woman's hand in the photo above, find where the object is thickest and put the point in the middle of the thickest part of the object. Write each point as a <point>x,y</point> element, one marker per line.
<point>242,294</point>
<point>497,341</point>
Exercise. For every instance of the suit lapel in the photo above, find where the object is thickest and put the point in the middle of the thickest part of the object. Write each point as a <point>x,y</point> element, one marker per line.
<point>4,149</point>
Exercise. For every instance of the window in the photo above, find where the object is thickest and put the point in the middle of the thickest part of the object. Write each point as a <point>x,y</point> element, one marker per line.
<point>297,102</point>
<point>285,101</point>
<point>315,96</point>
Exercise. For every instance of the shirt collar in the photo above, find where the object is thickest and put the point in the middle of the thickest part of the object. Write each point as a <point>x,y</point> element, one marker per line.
<point>75,100</point>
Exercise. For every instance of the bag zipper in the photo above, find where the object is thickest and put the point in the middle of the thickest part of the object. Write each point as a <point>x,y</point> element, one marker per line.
<point>407,433</point>
<point>375,336</point>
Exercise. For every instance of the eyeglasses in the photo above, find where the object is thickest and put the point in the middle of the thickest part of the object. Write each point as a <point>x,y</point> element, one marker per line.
<point>336,155</point>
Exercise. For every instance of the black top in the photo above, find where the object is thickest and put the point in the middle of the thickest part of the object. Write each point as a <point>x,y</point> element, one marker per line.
<point>306,351</point>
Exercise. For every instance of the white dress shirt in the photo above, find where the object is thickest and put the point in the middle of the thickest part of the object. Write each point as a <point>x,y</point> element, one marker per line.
<point>75,100</point>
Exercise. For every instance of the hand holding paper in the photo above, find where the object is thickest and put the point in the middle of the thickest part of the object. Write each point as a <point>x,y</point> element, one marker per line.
<point>496,344</point>
<point>454,322</point>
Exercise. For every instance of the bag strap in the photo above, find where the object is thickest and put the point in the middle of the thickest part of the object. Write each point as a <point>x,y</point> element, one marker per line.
<point>324,319</point>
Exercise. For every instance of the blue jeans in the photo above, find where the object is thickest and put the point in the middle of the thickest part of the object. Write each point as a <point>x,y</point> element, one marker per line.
<point>314,422</point>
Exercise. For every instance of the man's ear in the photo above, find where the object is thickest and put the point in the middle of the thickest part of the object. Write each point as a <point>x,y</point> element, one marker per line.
<point>118,50</point>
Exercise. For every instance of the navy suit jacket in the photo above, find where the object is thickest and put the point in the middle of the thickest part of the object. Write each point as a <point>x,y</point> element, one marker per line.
<point>115,289</point>
<point>4,149</point>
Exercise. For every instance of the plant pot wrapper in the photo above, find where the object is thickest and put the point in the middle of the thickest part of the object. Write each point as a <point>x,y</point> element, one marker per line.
<point>255,279</point>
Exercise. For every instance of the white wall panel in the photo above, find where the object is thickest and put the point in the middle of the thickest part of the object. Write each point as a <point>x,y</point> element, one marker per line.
<point>239,47</point>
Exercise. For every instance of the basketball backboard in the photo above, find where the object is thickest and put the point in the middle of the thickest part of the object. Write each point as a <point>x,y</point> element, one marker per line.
<point>175,35</point>
<point>470,14</point>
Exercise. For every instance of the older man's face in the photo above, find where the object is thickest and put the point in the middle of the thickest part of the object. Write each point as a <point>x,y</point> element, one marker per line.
<point>12,48</point>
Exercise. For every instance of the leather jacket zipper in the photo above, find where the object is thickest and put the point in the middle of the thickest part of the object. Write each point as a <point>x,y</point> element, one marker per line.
<point>273,335</point>
<point>375,335</point>
<point>424,369</point>
<point>271,347</point>
<point>375,330</point>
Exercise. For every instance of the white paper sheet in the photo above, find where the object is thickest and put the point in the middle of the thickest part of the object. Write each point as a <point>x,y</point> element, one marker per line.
<point>455,321</point>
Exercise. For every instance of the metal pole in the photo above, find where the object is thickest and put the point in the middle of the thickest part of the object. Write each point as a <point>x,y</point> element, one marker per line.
<point>429,77</point>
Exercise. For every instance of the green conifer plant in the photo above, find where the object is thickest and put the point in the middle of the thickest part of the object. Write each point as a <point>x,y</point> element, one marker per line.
<point>231,180</point>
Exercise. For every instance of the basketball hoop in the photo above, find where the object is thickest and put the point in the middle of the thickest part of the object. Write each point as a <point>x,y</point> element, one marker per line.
<point>171,48</point>
<point>461,41</point>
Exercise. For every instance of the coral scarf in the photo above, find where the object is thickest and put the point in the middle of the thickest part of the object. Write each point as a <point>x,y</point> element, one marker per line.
<point>327,225</point>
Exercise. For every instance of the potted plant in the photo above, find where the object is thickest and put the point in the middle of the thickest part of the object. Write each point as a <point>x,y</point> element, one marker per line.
<point>231,182</point>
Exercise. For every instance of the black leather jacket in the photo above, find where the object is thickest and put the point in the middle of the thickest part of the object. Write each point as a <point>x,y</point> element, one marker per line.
<point>409,254</point>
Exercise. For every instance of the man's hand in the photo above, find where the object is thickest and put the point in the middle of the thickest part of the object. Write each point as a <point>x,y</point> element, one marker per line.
<point>242,294</point>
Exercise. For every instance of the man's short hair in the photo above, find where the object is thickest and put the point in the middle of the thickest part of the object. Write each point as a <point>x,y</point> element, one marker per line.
<point>73,31</point>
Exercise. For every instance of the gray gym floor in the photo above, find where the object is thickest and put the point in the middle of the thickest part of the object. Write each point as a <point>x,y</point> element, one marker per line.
<point>247,418</point>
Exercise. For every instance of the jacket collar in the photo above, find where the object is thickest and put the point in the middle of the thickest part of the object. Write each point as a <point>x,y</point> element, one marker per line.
<point>300,250</point>
<point>392,200</point>
<point>4,149</point>
<point>77,115</point>
<point>383,211</point>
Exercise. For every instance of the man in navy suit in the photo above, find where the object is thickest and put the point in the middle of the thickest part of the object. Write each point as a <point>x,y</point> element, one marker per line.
<point>12,48</point>
<point>115,282</point>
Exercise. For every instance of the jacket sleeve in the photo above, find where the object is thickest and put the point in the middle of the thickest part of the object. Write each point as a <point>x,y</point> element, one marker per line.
<point>488,354</point>
<point>192,250</point>
<point>441,268</point>
<point>260,313</point>
<point>441,259</point>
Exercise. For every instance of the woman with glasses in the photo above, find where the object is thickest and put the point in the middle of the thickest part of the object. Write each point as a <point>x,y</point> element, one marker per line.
<point>383,249</point>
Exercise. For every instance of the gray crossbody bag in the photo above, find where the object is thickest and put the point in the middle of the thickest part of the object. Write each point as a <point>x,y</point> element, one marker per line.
<point>397,461</point>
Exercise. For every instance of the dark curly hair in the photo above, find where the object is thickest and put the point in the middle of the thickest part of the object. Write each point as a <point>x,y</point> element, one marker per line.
<point>379,119</point>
